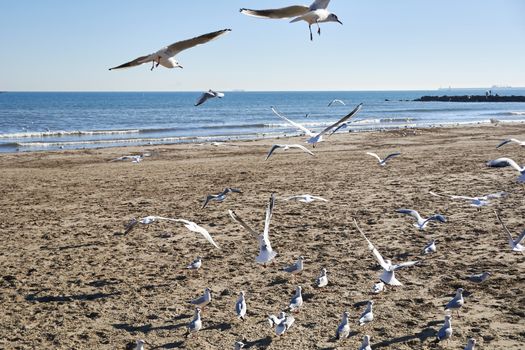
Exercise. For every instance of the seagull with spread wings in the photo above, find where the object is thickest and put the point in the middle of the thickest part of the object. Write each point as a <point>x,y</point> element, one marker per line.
<point>382,162</point>
<point>504,162</point>
<point>190,225</point>
<point>474,201</point>
<point>219,197</point>
<point>515,244</point>
<point>315,138</point>
<point>306,198</point>
<point>336,101</point>
<point>266,253</point>
<point>504,142</point>
<point>421,222</point>
<point>286,148</point>
<point>388,275</point>
<point>166,56</point>
<point>207,95</point>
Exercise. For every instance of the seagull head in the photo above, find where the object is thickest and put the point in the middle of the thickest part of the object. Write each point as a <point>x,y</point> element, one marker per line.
<point>333,18</point>
<point>460,291</point>
<point>241,293</point>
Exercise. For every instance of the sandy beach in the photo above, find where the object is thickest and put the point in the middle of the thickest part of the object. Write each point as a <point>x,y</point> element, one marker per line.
<point>69,278</point>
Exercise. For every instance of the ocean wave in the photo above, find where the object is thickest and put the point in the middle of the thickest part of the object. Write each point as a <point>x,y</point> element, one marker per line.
<point>384,120</point>
<point>30,134</point>
<point>508,113</point>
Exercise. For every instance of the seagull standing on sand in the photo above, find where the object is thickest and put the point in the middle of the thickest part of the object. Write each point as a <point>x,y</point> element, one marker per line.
<point>504,142</point>
<point>378,287</point>
<point>366,343</point>
<point>238,345</point>
<point>166,56</point>
<point>445,332</point>
<point>382,162</point>
<point>296,267</point>
<point>504,162</point>
<point>343,330</point>
<point>190,225</point>
<point>470,344</point>
<point>315,138</point>
<point>240,306</point>
<point>140,344</point>
<point>266,253</point>
<point>430,247</point>
<point>515,244</point>
<point>219,197</point>
<point>367,316</point>
<point>297,300</point>
<point>305,198</point>
<point>196,324</point>
<point>336,101</point>
<point>421,222</point>
<point>474,201</point>
<point>388,275</point>
<point>479,277</point>
<point>203,300</point>
<point>286,148</point>
<point>207,95</point>
<point>322,280</point>
<point>195,264</point>
<point>456,302</point>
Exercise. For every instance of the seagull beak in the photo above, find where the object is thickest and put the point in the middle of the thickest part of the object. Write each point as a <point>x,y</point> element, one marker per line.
<point>181,67</point>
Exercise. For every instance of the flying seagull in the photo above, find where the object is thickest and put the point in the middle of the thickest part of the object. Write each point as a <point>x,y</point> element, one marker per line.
<point>388,275</point>
<point>474,201</point>
<point>207,95</point>
<point>336,101</point>
<point>515,244</point>
<point>316,17</point>
<point>504,142</point>
<point>286,148</point>
<point>188,224</point>
<point>166,55</point>
<point>219,197</point>
<point>305,198</point>
<point>421,222</point>
<point>382,162</point>
<point>315,138</point>
<point>281,323</point>
<point>504,162</point>
<point>266,253</point>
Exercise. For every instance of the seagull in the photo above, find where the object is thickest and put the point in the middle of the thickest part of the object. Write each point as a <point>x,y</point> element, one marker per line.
<point>336,101</point>
<point>382,162</point>
<point>470,344</point>
<point>343,330</point>
<point>207,95</point>
<point>240,306</point>
<point>190,225</point>
<point>166,56</point>
<point>445,332</point>
<point>305,198</point>
<point>203,300</point>
<point>322,280</point>
<point>504,162</point>
<point>388,275</point>
<point>430,247</point>
<point>238,345</point>
<point>275,320</point>
<point>286,148</point>
<point>266,253</point>
<point>285,322</point>
<point>195,264</point>
<point>504,142</point>
<point>515,244</point>
<point>296,267</point>
<point>367,315</point>
<point>479,277</point>
<point>456,302</point>
<point>134,159</point>
<point>316,17</point>
<point>315,138</point>
<point>196,324</point>
<point>140,344</point>
<point>474,201</point>
<point>297,300</point>
<point>421,222</point>
<point>219,197</point>
<point>378,287</point>
<point>366,343</point>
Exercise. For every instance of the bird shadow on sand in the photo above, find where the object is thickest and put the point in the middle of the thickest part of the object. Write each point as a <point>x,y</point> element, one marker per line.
<point>262,343</point>
<point>146,328</point>
<point>219,326</point>
<point>422,336</point>
<point>68,298</point>
<point>175,345</point>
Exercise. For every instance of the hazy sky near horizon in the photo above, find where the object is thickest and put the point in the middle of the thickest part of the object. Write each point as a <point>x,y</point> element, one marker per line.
<point>61,45</point>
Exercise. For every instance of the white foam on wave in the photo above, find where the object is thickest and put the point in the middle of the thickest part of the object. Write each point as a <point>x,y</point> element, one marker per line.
<point>66,133</point>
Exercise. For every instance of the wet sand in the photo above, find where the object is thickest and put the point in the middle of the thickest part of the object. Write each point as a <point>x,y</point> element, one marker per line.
<point>69,279</point>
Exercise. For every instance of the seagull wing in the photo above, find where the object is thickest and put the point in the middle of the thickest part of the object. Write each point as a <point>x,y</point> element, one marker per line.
<point>238,220</point>
<point>190,225</point>
<point>342,120</point>
<point>504,142</point>
<point>504,226</point>
<point>319,198</point>
<point>294,198</point>
<point>392,155</point>
<point>186,44</point>
<point>339,127</point>
<point>410,212</point>
<point>208,197</point>
<point>269,212</point>
<point>405,264</point>
<point>303,148</point>
<point>375,252</point>
<point>274,147</point>
<point>513,164</point>
<point>136,62</point>
<point>130,226</point>
<point>204,97</point>
<point>374,155</point>
<point>319,5</point>
<point>336,101</point>
<point>284,12</point>
<point>495,195</point>
<point>520,238</point>
<point>297,125</point>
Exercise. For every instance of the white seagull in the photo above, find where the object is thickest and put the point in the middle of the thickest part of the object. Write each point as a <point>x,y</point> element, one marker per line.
<point>322,280</point>
<point>316,17</point>
<point>134,159</point>
<point>305,198</point>
<point>140,344</point>
<point>297,300</point>
<point>296,267</point>
<point>343,330</point>
<point>470,344</point>
<point>368,315</point>
<point>515,244</point>
<point>166,56</point>
<point>315,138</point>
<point>365,345</point>
<point>504,142</point>
<point>504,162</point>
<point>190,225</point>
<point>445,332</point>
<point>286,148</point>
<point>195,264</point>
<point>207,95</point>
<point>196,324</point>
<point>266,253</point>
<point>336,101</point>
<point>388,275</point>
<point>378,287</point>
<point>456,302</point>
<point>203,300</point>
<point>219,197</point>
<point>421,222</point>
<point>479,277</point>
<point>474,201</point>
<point>281,323</point>
<point>240,306</point>
<point>382,162</point>
<point>430,247</point>
<point>238,345</point>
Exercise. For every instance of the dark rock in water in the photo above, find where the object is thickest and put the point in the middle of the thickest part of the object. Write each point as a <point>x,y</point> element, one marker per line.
<point>472,98</point>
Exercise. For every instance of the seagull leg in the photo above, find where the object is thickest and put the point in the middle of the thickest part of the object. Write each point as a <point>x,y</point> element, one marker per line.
<point>152,65</point>
<point>318,28</point>
<point>311,35</point>
<point>158,62</point>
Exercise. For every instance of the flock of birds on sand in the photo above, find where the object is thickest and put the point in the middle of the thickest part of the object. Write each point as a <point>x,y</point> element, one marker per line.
<point>313,15</point>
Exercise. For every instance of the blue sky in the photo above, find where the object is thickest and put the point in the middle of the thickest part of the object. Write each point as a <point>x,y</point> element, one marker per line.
<point>60,45</point>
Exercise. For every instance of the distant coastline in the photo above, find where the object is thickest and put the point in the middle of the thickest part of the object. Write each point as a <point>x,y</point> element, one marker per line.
<point>471,98</point>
